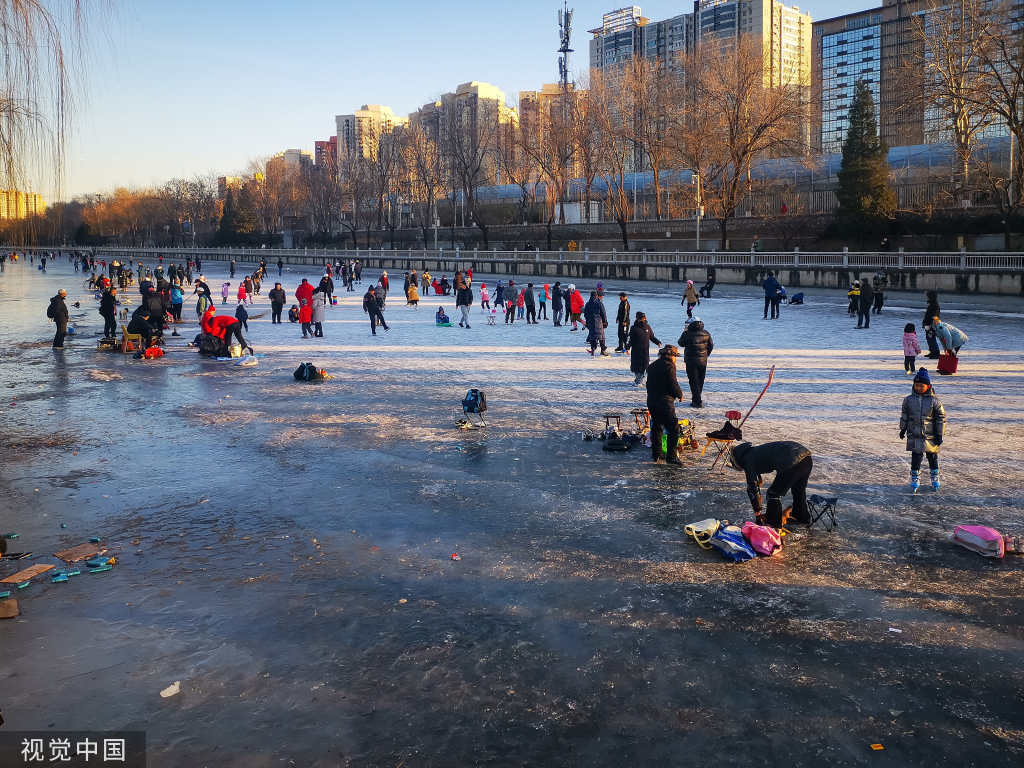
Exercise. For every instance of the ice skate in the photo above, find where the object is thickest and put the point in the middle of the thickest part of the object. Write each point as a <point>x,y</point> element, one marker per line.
<point>915,480</point>
<point>936,484</point>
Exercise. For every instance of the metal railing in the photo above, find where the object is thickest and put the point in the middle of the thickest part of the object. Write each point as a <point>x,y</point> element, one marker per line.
<point>935,261</point>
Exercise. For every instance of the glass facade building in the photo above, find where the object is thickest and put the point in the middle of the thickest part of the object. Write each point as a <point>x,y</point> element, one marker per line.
<point>846,57</point>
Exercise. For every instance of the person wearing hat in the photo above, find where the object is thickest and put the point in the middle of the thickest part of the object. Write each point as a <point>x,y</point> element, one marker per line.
<point>596,320</point>
<point>622,322</point>
<point>690,299</point>
<point>878,285</point>
<point>923,423</point>
<point>373,307</point>
<point>662,392</point>
<point>697,345</point>
<point>791,462</point>
<point>638,344</point>
<point>557,303</point>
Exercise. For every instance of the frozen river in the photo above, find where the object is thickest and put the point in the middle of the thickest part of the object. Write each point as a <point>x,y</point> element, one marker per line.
<point>284,550</point>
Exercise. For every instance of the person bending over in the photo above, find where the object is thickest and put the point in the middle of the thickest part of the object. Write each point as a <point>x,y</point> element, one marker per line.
<point>790,461</point>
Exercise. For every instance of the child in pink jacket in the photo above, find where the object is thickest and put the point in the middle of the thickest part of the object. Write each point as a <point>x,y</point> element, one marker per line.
<point>911,348</point>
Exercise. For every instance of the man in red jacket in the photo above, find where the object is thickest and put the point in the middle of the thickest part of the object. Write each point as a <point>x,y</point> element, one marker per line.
<point>223,328</point>
<point>304,293</point>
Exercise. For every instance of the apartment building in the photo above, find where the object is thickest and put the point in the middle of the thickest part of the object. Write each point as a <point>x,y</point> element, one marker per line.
<point>785,33</point>
<point>326,152</point>
<point>21,205</point>
<point>357,133</point>
<point>874,45</point>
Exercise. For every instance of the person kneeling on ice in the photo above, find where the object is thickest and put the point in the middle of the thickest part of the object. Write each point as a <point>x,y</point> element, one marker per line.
<point>441,318</point>
<point>293,314</point>
<point>791,462</point>
<point>923,422</point>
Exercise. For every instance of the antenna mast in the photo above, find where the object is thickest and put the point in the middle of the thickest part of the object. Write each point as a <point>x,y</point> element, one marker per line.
<point>565,34</point>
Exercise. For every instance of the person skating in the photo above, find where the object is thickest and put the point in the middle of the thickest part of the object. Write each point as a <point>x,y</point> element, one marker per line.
<point>867,299</point>
<point>521,304</point>
<point>557,304</point>
<point>662,392</point>
<point>413,296</point>
<point>622,322</point>
<point>697,345</point>
<point>463,299</point>
<point>58,313</point>
<point>690,299</point>
<point>225,291</point>
<point>854,296</point>
<point>530,300</point>
<point>792,464</point>
<point>425,283</point>
<point>177,301</point>
<point>319,312</point>
<point>485,298</point>
<point>278,298</point>
<point>108,309</point>
<point>911,348</point>
<point>306,318</point>
<point>327,286</point>
<point>878,285</point>
<point>771,288</point>
<point>638,344</point>
<point>372,307</point>
<point>232,270</point>
<point>242,315</point>
<point>923,423</point>
<point>304,293</point>
<point>280,267</point>
<point>576,305</point>
<point>597,321</point>
<point>931,316</point>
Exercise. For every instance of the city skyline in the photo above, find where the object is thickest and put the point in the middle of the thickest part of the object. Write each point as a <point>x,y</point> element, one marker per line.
<point>166,99</point>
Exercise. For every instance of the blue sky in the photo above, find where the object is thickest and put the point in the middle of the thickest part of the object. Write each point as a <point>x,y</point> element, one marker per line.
<point>186,87</point>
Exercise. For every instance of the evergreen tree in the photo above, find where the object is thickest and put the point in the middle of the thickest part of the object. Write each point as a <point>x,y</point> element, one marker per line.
<point>237,221</point>
<point>863,190</point>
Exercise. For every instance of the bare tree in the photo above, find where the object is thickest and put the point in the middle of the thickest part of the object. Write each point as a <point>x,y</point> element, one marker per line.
<point>423,164</point>
<point>323,194</point>
<point>383,165</point>
<point>267,184</point>
<point>943,77</point>
<point>652,119</point>
<point>610,102</point>
<point>42,43</point>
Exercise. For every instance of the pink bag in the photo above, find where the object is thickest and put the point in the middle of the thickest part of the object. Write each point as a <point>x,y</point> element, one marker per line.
<point>764,539</point>
<point>978,538</point>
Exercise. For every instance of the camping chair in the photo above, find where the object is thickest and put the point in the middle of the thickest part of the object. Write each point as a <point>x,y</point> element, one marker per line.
<point>128,340</point>
<point>490,317</point>
<point>823,510</point>
<point>722,444</point>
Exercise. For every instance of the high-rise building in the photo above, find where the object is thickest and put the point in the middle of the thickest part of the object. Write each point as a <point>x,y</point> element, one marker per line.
<point>21,205</point>
<point>784,31</point>
<point>874,45</point>
<point>326,152</point>
<point>358,132</point>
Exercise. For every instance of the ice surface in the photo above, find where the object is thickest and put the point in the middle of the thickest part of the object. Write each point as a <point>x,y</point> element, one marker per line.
<point>266,532</point>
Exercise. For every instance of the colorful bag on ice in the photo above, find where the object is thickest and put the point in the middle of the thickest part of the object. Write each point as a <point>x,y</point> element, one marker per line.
<point>703,531</point>
<point>978,538</point>
<point>762,538</point>
<point>729,540</point>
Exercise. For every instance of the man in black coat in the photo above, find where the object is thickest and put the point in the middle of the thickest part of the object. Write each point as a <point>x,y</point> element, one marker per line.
<point>108,309</point>
<point>622,321</point>
<point>867,298</point>
<point>791,462</point>
<point>557,303</point>
<point>371,306</point>
<point>278,298</point>
<point>697,345</point>
<point>597,320</point>
<point>662,392</point>
<point>58,312</point>
<point>140,324</point>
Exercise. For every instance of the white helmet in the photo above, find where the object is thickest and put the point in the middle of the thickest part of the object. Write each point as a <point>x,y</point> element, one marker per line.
<point>572,288</point>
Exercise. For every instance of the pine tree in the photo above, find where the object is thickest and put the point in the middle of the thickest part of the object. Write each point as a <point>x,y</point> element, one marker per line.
<point>863,192</point>
<point>237,220</point>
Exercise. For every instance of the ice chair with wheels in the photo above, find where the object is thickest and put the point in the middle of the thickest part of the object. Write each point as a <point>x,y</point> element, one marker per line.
<point>822,510</point>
